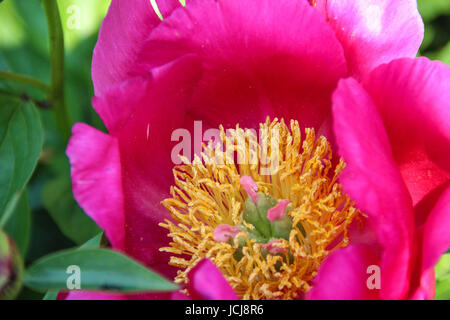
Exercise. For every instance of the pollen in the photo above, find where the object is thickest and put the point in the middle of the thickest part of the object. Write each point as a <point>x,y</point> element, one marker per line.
<point>221,203</point>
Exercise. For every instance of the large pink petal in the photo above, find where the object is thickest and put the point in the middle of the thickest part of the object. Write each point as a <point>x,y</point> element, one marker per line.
<point>121,36</point>
<point>344,275</point>
<point>97,181</point>
<point>373,32</point>
<point>207,283</point>
<point>91,295</point>
<point>148,111</point>
<point>102,295</point>
<point>114,115</point>
<point>260,58</point>
<point>435,242</point>
<point>436,232</point>
<point>373,181</point>
<point>413,98</point>
<point>117,103</point>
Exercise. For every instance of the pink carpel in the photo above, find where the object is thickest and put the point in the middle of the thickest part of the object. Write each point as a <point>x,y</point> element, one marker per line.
<point>278,212</point>
<point>250,187</point>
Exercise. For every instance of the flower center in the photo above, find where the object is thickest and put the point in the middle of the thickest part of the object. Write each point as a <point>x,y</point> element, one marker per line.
<point>267,214</point>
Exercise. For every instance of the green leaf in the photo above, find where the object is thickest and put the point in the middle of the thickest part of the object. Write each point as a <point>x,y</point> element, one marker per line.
<point>21,139</point>
<point>100,269</point>
<point>51,295</point>
<point>442,270</point>
<point>70,218</point>
<point>19,225</point>
<point>10,208</point>
<point>92,243</point>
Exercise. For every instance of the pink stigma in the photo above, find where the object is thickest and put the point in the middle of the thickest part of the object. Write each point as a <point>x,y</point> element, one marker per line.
<point>277,212</point>
<point>250,187</point>
<point>224,232</point>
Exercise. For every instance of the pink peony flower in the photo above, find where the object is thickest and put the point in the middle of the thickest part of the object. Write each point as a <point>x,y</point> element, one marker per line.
<point>228,62</point>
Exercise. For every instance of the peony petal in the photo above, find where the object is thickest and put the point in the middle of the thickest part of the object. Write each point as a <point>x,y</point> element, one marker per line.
<point>436,241</point>
<point>373,181</point>
<point>123,31</point>
<point>114,115</point>
<point>101,295</point>
<point>120,100</point>
<point>97,181</point>
<point>344,275</point>
<point>149,110</point>
<point>413,99</point>
<point>423,209</point>
<point>374,32</point>
<point>261,58</point>
<point>178,295</point>
<point>206,282</point>
<point>91,295</point>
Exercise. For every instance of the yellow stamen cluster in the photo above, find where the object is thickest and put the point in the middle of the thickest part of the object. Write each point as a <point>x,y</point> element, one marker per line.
<point>208,193</point>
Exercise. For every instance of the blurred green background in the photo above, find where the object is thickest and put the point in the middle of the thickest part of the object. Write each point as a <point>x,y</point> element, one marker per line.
<point>47,218</point>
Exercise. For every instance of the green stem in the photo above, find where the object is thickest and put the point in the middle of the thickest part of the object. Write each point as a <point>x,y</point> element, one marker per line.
<point>20,78</point>
<point>57,66</point>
